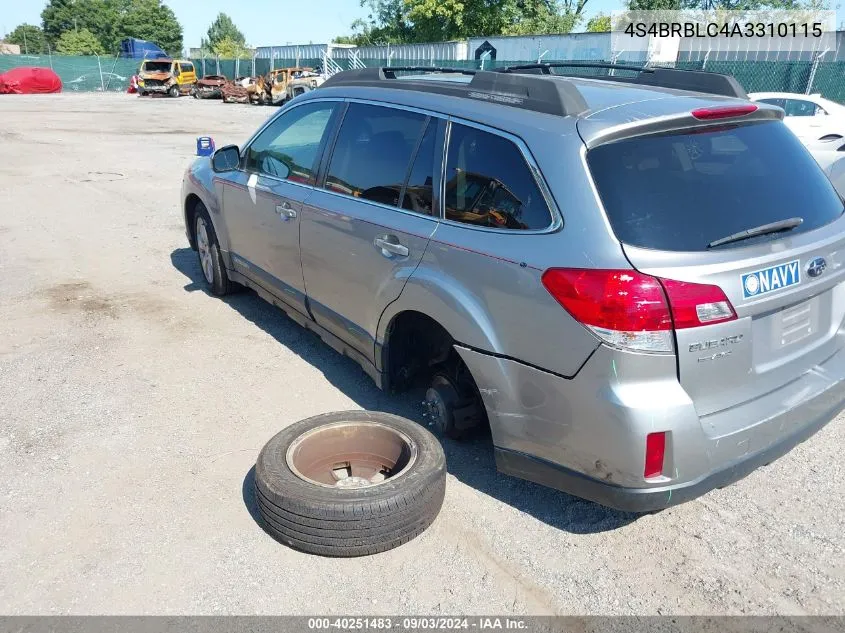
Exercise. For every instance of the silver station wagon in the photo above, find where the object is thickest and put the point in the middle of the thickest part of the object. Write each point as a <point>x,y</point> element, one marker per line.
<point>636,280</point>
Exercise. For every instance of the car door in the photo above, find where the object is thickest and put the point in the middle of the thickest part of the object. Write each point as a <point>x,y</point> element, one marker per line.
<point>263,200</point>
<point>188,75</point>
<point>365,230</point>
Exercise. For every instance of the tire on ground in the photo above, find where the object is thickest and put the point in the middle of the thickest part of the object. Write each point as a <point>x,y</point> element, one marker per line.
<point>344,522</point>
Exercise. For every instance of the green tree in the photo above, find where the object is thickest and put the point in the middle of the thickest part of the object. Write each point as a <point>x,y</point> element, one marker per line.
<point>29,37</point>
<point>401,21</point>
<point>113,20</point>
<point>227,48</point>
<point>599,23</point>
<point>100,17</point>
<point>223,28</point>
<point>154,21</point>
<point>79,42</point>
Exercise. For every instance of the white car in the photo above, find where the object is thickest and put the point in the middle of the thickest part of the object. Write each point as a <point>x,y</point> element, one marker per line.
<point>819,123</point>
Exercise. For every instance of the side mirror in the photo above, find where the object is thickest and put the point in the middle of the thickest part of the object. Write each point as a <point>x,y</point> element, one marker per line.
<point>226,159</point>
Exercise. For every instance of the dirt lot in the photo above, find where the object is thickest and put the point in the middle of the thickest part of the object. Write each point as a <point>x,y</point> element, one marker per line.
<point>133,406</point>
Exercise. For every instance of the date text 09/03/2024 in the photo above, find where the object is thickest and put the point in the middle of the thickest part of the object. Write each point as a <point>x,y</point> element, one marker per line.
<point>416,624</point>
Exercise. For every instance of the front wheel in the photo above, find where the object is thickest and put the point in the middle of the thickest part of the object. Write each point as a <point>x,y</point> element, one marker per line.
<point>208,251</point>
<point>174,91</point>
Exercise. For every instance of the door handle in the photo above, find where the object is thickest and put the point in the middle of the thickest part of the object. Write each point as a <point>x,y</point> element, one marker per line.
<point>286,211</point>
<point>389,245</point>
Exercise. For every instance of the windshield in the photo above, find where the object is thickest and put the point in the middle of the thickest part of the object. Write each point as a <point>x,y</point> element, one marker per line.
<point>157,67</point>
<point>681,191</point>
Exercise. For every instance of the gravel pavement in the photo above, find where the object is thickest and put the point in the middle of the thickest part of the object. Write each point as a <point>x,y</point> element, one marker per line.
<point>133,406</point>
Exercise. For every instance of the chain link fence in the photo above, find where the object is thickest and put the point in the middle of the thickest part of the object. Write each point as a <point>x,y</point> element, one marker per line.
<point>95,74</point>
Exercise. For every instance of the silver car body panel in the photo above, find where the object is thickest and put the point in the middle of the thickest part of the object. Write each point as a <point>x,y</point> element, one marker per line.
<point>564,408</point>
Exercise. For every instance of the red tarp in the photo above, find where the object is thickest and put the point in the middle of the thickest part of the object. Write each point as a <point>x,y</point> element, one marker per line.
<point>27,81</point>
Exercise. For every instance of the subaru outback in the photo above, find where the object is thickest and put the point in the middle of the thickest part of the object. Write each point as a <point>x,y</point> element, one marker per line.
<point>636,281</point>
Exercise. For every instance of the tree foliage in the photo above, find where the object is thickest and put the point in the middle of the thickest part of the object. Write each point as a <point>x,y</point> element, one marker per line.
<point>154,21</point>
<point>81,42</point>
<point>29,37</point>
<point>113,20</point>
<point>599,23</point>
<point>227,48</point>
<point>406,21</point>
<point>223,28</point>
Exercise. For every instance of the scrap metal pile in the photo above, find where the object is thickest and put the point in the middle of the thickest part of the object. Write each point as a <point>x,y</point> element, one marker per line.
<point>273,89</point>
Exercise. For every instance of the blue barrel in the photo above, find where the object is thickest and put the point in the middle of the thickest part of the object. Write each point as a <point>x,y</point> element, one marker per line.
<point>205,146</point>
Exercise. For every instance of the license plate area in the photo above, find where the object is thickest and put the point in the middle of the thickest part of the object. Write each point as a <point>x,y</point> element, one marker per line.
<point>786,335</point>
<point>798,323</point>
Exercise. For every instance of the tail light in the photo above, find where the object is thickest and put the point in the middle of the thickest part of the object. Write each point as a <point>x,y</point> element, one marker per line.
<point>630,310</point>
<point>655,451</point>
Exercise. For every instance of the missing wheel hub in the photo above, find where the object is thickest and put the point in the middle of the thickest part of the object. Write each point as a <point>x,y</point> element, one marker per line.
<point>351,455</point>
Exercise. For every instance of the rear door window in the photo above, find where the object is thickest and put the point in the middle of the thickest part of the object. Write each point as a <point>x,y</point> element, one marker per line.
<point>489,184</point>
<point>419,190</point>
<point>682,191</point>
<point>373,152</point>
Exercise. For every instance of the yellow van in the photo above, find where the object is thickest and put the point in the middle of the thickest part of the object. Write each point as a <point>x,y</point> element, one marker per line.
<point>174,77</point>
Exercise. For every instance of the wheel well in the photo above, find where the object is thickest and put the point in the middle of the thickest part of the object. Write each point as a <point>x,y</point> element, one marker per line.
<point>191,203</point>
<point>415,347</point>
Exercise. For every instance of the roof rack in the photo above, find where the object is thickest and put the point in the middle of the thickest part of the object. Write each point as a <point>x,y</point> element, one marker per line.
<point>693,80</point>
<point>520,90</point>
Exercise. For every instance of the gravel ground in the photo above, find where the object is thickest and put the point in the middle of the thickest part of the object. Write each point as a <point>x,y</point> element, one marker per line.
<point>133,406</point>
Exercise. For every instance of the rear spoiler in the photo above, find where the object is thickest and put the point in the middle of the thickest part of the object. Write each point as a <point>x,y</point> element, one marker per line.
<point>670,114</point>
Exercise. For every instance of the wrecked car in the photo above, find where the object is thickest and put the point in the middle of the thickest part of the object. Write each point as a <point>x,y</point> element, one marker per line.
<point>209,87</point>
<point>239,90</point>
<point>173,77</point>
<point>287,83</point>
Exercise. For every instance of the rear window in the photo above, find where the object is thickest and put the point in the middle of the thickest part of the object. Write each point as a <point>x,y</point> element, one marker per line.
<point>681,191</point>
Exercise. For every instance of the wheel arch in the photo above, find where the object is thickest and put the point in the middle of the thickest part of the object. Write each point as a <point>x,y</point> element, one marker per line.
<point>190,211</point>
<point>429,297</point>
<point>457,309</point>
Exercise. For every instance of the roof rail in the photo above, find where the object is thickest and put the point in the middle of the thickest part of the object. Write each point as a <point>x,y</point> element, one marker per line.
<point>693,80</point>
<point>518,90</point>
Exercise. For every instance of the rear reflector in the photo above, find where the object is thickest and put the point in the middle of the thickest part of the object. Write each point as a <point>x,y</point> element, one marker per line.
<point>655,450</point>
<point>630,310</point>
<point>723,112</point>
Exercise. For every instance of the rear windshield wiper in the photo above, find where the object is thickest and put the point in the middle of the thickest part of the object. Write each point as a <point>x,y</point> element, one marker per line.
<point>765,229</point>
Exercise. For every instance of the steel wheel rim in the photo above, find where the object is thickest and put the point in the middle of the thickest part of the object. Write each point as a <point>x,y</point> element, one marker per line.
<point>351,455</point>
<point>204,250</point>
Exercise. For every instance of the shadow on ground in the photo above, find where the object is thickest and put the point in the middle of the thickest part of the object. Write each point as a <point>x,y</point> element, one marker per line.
<point>471,462</point>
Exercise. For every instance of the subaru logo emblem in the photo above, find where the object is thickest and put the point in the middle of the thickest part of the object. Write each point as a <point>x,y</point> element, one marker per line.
<point>816,267</point>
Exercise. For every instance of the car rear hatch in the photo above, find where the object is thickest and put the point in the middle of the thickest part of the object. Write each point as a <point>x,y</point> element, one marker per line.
<point>678,193</point>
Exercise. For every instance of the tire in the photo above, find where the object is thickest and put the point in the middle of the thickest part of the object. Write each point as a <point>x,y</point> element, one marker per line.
<point>174,91</point>
<point>208,251</point>
<point>343,522</point>
<point>142,93</point>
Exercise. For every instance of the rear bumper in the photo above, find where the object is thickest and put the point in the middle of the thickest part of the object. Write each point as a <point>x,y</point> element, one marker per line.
<point>586,435</point>
<point>648,499</point>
